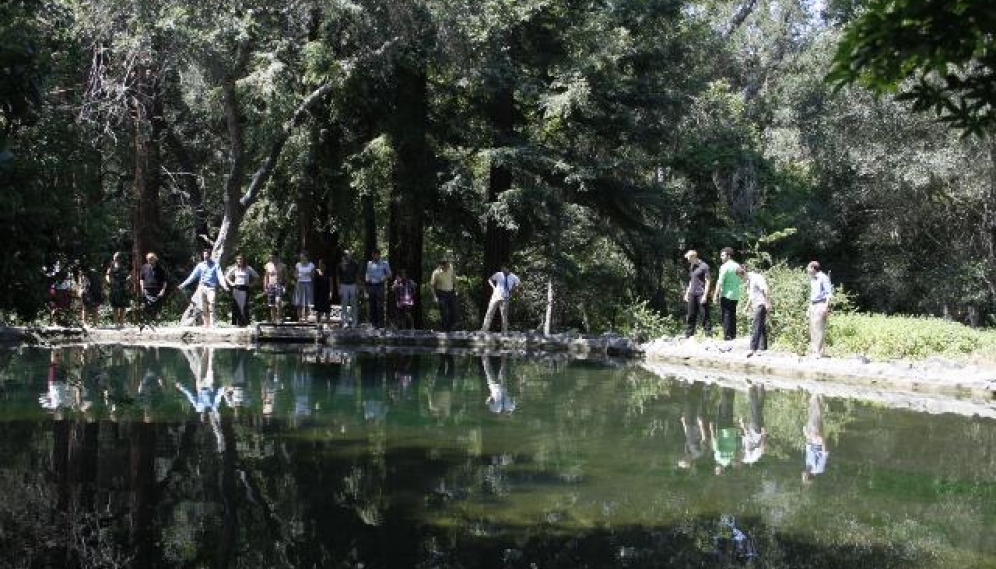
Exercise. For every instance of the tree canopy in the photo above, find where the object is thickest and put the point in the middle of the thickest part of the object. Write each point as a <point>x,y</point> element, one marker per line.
<point>587,143</point>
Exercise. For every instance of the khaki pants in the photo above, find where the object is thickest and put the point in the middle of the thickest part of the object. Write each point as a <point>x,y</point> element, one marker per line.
<point>205,299</point>
<point>818,314</point>
<point>496,302</point>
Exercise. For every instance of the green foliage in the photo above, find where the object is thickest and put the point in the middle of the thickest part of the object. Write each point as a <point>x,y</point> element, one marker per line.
<point>939,54</point>
<point>878,336</point>
<point>643,323</point>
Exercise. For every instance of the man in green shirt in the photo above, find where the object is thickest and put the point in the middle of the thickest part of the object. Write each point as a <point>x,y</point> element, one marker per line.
<point>727,293</point>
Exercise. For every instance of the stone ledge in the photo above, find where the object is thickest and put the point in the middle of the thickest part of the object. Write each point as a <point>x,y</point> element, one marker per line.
<point>932,376</point>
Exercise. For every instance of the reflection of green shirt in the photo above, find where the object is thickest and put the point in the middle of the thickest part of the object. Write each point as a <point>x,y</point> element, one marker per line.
<point>726,444</point>
<point>729,282</point>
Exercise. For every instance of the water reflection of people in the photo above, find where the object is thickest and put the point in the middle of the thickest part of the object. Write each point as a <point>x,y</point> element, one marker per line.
<point>235,393</point>
<point>271,386</point>
<point>499,400</point>
<point>150,389</point>
<point>63,392</point>
<point>816,448</point>
<point>725,437</point>
<point>754,433</point>
<point>302,392</point>
<point>441,392</point>
<point>693,427</point>
<point>208,396</point>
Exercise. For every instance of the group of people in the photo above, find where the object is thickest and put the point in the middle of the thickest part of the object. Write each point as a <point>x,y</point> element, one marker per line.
<point>309,287</point>
<point>306,285</point>
<point>727,292</point>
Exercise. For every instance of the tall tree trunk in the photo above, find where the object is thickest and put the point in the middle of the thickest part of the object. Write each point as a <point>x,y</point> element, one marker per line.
<point>189,181</point>
<point>237,200</point>
<point>412,178</point>
<point>146,116</point>
<point>497,238</point>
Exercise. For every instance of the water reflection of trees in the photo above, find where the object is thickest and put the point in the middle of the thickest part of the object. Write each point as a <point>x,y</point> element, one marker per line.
<point>398,461</point>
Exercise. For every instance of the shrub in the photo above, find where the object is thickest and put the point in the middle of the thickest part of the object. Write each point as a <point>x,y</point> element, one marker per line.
<point>879,336</point>
<point>643,323</point>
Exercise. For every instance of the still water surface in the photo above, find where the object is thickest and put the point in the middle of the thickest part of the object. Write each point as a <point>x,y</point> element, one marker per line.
<point>204,457</point>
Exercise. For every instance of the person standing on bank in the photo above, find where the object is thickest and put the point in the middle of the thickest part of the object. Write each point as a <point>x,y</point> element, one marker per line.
<point>758,299</point>
<point>152,279</point>
<point>378,272</point>
<point>697,294</point>
<point>240,277</point>
<point>404,290</point>
<point>117,278</point>
<point>323,291</point>
<point>727,293</point>
<point>820,295</point>
<point>91,294</point>
<point>443,284</point>
<point>208,275</point>
<point>348,273</point>
<point>304,292</point>
<point>274,283</point>
<point>503,283</point>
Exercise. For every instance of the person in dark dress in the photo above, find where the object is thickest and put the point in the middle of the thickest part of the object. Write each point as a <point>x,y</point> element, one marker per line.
<point>240,277</point>
<point>153,283</point>
<point>117,277</point>
<point>323,291</point>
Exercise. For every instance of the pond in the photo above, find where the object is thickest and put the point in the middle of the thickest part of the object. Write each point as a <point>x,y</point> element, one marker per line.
<point>310,457</point>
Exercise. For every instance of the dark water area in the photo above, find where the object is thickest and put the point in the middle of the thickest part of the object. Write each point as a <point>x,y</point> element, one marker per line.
<point>131,457</point>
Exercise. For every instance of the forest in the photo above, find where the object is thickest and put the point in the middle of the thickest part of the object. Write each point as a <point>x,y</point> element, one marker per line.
<point>587,144</point>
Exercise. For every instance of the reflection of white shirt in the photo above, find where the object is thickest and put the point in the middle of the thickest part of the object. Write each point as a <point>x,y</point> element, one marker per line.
<point>57,396</point>
<point>753,449</point>
<point>816,458</point>
<point>504,285</point>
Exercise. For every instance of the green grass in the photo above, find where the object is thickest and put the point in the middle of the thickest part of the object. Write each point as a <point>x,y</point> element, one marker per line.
<point>878,336</point>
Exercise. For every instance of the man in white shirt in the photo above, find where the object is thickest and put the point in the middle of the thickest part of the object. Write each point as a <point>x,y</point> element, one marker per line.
<point>503,283</point>
<point>758,300</point>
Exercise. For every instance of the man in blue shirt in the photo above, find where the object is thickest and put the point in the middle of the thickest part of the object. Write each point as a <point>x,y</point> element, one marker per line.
<point>208,275</point>
<point>820,295</point>
<point>378,272</point>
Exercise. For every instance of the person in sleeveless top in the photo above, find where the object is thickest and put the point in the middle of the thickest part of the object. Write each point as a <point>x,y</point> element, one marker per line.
<point>240,277</point>
<point>274,283</point>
